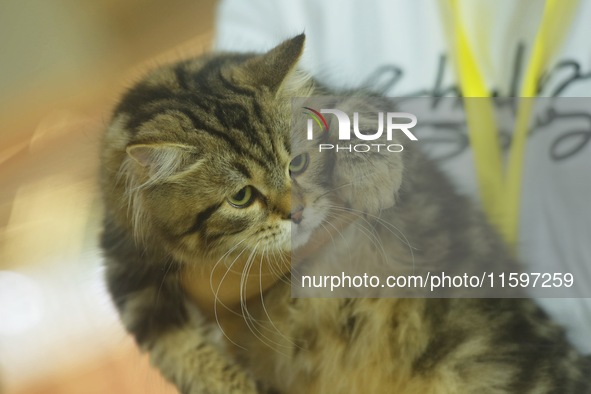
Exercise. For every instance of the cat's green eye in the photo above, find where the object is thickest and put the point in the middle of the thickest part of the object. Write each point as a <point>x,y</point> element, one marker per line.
<point>299,164</point>
<point>243,198</point>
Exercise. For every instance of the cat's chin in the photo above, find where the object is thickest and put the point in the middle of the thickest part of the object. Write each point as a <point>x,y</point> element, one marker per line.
<point>299,239</point>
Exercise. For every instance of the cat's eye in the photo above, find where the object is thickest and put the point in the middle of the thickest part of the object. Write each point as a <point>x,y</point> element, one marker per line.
<point>299,164</point>
<point>243,198</point>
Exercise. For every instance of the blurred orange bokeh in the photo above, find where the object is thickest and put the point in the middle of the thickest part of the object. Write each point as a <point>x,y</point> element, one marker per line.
<point>64,63</point>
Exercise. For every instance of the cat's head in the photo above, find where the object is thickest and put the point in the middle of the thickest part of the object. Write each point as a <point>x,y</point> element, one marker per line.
<point>198,156</point>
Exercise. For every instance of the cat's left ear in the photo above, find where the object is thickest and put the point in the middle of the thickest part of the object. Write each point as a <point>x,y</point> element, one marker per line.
<point>161,160</point>
<point>272,68</point>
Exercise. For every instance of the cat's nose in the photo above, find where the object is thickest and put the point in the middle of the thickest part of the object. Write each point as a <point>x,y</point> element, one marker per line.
<point>296,215</point>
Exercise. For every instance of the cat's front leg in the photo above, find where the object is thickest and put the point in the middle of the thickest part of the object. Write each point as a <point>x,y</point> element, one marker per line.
<point>188,358</point>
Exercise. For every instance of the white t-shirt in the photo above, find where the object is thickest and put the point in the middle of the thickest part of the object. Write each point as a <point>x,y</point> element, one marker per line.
<point>400,48</point>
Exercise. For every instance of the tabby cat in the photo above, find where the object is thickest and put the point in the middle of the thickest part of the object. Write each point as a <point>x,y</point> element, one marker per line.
<point>198,167</point>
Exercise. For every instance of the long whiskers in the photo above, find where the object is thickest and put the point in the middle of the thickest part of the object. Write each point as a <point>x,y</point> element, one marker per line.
<point>390,227</point>
<point>263,256</point>
<point>216,293</point>
<point>368,231</point>
<point>250,321</point>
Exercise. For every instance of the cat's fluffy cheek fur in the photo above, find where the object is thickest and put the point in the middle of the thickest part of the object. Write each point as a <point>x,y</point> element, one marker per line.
<point>283,241</point>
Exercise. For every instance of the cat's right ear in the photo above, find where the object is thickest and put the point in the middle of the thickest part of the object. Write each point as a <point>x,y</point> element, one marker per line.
<point>272,68</point>
<point>161,159</point>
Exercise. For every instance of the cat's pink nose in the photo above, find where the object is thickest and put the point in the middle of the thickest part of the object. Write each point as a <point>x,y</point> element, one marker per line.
<point>296,215</point>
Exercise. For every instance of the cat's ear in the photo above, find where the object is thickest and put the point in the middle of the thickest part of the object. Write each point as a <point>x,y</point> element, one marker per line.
<point>272,68</point>
<point>161,159</point>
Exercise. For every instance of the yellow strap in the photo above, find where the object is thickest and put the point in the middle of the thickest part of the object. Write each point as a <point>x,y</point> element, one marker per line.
<point>551,32</point>
<point>501,195</point>
<point>481,124</point>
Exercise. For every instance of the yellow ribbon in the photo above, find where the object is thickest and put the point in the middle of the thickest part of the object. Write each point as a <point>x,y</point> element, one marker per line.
<point>501,192</point>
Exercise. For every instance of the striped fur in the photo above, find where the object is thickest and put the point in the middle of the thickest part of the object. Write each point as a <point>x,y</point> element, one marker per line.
<point>190,135</point>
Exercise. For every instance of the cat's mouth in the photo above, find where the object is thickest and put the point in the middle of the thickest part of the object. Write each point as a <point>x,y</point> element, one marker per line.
<point>302,230</point>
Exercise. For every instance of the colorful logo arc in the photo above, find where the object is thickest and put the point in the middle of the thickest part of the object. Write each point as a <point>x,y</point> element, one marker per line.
<point>318,118</point>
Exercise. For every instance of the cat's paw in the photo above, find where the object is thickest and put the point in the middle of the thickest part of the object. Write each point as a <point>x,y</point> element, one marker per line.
<point>190,359</point>
<point>235,382</point>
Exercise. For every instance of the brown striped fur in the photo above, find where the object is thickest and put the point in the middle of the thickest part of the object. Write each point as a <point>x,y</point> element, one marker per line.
<point>192,134</point>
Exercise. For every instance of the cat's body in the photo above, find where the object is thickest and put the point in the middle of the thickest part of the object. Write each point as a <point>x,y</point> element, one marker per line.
<point>180,156</point>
